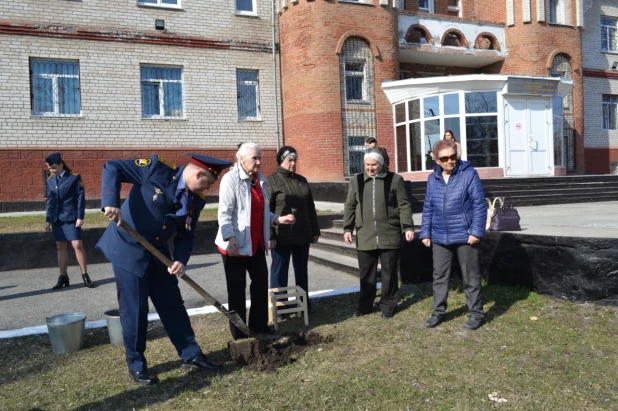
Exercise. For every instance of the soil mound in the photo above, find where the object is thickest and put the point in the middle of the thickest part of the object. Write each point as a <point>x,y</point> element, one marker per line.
<point>269,354</point>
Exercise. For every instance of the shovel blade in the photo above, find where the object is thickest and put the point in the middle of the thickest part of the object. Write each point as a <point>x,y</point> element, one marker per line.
<point>238,322</point>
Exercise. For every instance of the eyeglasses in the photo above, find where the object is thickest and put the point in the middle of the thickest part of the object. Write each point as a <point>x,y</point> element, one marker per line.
<point>446,158</point>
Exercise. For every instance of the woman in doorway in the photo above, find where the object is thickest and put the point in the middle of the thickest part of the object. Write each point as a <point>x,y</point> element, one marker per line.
<point>66,204</point>
<point>449,135</point>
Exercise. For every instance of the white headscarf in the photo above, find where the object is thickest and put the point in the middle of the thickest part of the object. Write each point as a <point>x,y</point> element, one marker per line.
<point>377,157</point>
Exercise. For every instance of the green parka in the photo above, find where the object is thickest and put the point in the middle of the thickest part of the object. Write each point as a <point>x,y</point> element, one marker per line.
<point>382,218</point>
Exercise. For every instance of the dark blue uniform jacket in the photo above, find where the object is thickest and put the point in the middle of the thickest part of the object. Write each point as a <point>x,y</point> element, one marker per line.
<point>66,199</point>
<point>151,209</point>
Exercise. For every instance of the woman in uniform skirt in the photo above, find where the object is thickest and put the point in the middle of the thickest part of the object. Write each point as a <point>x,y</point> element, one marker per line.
<point>66,205</point>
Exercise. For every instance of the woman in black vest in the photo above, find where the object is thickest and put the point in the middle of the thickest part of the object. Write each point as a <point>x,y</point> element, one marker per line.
<point>289,193</point>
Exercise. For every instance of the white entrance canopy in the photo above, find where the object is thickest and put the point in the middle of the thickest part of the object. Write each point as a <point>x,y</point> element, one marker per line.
<point>403,90</point>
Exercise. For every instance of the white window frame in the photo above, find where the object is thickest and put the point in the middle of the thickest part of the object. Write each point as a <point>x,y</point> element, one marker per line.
<point>608,32</point>
<point>253,12</point>
<point>160,4</point>
<point>613,101</point>
<point>355,73</point>
<point>559,14</point>
<point>54,78</point>
<point>162,93</point>
<point>456,8</point>
<point>429,9</point>
<point>257,95</point>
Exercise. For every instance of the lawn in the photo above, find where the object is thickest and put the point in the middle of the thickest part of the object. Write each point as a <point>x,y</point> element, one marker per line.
<point>33,223</point>
<point>535,353</point>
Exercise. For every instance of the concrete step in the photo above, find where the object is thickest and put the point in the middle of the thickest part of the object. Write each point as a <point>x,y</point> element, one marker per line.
<point>332,233</point>
<point>334,260</point>
<point>337,246</point>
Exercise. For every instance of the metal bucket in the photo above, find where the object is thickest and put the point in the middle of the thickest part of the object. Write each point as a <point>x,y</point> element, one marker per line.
<point>66,332</point>
<point>114,327</point>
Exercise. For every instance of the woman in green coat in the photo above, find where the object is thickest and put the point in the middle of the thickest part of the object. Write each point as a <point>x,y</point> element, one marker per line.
<point>378,207</point>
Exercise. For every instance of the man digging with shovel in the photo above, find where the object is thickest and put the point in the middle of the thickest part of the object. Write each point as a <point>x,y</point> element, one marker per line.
<point>164,200</point>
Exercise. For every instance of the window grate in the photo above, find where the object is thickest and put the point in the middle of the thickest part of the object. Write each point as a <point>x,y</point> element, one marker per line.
<point>162,92</point>
<point>357,101</point>
<point>55,88</point>
<point>561,67</point>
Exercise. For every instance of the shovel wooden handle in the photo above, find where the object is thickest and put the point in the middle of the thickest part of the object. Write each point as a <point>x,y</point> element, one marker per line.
<point>233,316</point>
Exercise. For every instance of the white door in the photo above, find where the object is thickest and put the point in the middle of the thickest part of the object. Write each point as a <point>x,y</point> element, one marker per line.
<point>527,137</point>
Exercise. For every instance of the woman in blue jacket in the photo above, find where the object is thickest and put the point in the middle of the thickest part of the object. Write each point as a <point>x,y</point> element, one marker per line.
<point>454,215</point>
<point>66,205</point>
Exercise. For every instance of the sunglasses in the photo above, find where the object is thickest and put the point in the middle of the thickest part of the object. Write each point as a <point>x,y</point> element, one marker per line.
<point>446,158</point>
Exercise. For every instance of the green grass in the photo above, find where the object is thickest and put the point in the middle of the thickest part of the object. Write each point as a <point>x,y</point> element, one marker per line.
<point>565,360</point>
<point>33,223</point>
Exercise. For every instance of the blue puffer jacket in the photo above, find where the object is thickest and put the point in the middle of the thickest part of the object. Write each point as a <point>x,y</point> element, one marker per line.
<point>454,211</point>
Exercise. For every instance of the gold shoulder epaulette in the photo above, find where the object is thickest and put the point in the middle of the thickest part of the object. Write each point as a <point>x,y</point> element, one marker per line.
<point>74,173</point>
<point>202,196</point>
<point>167,163</point>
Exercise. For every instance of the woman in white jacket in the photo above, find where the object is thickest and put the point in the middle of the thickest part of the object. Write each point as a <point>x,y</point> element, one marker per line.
<point>242,239</point>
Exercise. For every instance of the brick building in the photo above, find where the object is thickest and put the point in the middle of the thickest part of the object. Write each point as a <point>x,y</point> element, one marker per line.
<point>117,79</point>
<point>135,77</point>
<point>600,69</point>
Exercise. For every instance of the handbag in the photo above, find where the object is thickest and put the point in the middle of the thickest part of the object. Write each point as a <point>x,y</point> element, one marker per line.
<point>491,206</point>
<point>505,217</point>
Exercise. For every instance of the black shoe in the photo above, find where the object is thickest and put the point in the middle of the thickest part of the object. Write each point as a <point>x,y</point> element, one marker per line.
<point>143,377</point>
<point>63,281</point>
<point>474,323</point>
<point>387,316</point>
<point>358,313</point>
<point>202,363</point>
<point>87,281</point>
<point>434,320</point>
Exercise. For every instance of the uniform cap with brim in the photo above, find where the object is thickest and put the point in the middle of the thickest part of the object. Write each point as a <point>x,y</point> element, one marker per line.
<point>214,165</point>
<point>53,158</point>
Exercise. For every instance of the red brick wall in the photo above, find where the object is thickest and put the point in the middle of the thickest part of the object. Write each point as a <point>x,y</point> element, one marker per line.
<point>598,160</point>
<point>531,47</point>
<point>23,179</point>
<point>310,33</point>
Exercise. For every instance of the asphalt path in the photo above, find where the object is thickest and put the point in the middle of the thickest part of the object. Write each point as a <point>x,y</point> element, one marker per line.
<point>26,297</point>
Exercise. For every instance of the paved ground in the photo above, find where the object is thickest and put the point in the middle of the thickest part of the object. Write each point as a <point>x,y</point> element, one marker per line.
<point>26,298</point>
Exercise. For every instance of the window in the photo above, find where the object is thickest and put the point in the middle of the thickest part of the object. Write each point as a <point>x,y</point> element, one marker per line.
<point>247,83</point>
<point>558,122</point>
<point>454,8</point>
<point>355,80</point>
<point>557,11</point>
<point>357,93</point>
<point>160,3</point>
<point>417,35</point>
<point>610,112</point>
<point>609,34</point>
<point>162,94</point>
<point>561,67</point>
<point>246,7</point>
<point>55,88</point>
<point>356,153</point>
<point>426,6</point>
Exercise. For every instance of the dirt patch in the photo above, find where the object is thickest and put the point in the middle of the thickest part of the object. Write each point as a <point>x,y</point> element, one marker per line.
<point>269,354</point>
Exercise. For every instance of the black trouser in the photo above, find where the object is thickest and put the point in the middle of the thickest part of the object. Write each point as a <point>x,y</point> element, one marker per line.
<point>368,268</point>
<point>236,269</point>
<point>468,256</point>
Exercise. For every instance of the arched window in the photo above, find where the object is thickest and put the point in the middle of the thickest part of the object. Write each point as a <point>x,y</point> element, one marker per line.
<point>454,38</point>
<point>564,138</point>
<point>417,35</point>
<point>486,42</point>
<point>357,101</point>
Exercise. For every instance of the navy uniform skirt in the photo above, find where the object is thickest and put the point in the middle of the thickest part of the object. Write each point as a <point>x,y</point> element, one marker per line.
<point>66,231</point>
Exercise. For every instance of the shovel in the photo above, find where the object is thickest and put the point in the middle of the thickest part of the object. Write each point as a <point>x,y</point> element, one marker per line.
<point>231,315</point>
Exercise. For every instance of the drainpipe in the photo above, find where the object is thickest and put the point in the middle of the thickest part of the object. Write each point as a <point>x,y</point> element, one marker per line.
<point>275,75</point>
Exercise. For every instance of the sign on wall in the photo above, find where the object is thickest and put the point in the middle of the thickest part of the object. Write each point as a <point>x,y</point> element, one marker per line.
<point>532,86</point>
